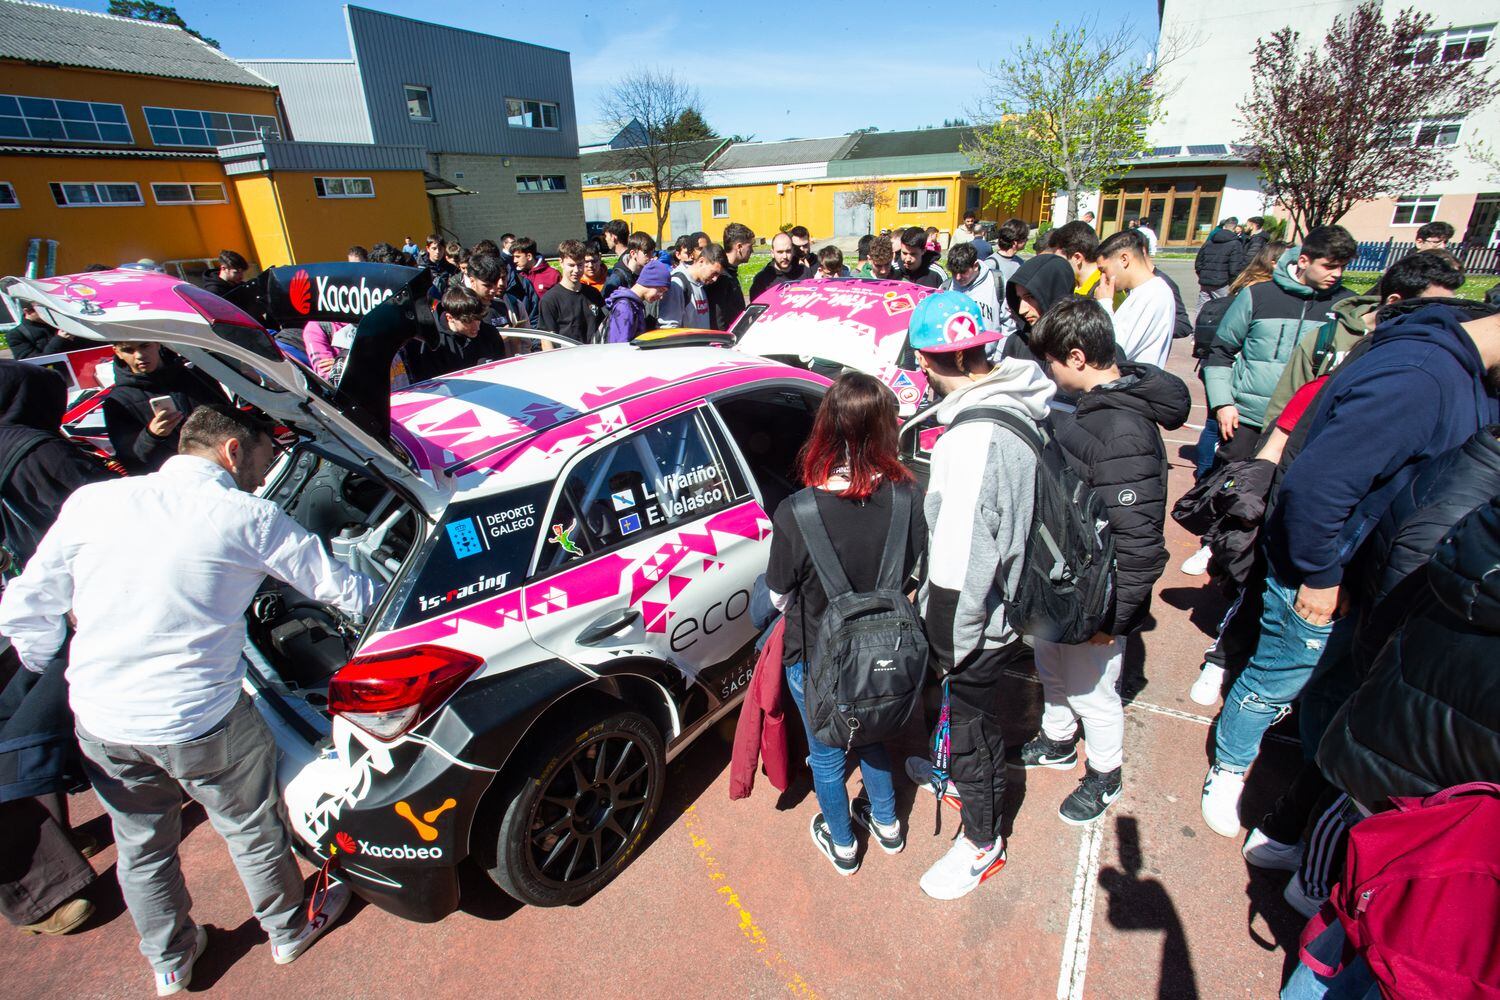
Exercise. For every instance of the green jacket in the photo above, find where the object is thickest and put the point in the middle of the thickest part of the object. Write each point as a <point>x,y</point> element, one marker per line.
<point>1346,329</point>
<point>1256,337</point>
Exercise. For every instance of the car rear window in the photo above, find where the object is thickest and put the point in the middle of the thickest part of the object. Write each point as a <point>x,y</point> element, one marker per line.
<point>482,548</point>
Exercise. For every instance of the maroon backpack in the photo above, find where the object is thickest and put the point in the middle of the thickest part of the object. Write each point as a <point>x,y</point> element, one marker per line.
<point>1420,898</point>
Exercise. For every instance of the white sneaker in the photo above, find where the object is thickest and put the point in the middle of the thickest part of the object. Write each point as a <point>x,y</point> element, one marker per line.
<point>1298,898</point>
<point>919,770</point>
<point>960,871</point>
<point>1197,563</point>
<point>1221,801</point>
<point>1209,685</point>
<point>168,983</point>
<point>333,908</point>
<point>1263,852</point>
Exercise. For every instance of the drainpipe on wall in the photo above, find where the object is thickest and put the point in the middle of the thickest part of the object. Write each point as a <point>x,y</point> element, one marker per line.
<point>51,259</point>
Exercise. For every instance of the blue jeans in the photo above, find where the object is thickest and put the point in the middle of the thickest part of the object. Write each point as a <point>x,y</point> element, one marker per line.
<point>830,769</point>
<point>1355,982</point>
<point>1288,652</point>
<point>1208,446</point>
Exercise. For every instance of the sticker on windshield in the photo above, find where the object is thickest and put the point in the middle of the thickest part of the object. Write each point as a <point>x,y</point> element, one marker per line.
<point>624,500</point>
<point>563,538</point>
<point>465,538</point>
<point>897,303</point>
<point>630,524</point>
<point>905,389</point>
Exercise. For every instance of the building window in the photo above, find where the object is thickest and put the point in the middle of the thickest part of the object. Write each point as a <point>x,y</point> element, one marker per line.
<point>922,199</point>
<point>418,103</point>
<point>70,195</point>
<point>1452,45</point>
<point>721,208</point>
<point>1415,209</point>
<point>70,121</point>
<point>8,197</point>
<point>188,194</point>
<point>634,204</point>
<point>1439,131</point>
<point>530,114</point>
<point>344,187</point>
<point>532,183</point>
<point>176,127</point>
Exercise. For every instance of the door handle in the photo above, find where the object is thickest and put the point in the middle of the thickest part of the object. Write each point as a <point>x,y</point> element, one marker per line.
<point>607,625</point>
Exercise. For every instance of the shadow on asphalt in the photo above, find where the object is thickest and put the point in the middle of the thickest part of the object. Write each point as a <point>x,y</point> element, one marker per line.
<point>1137,903</point>
<point>1205,605</point>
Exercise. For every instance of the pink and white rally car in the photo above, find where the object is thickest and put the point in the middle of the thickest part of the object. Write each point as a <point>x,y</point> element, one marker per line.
<point>571,541</point>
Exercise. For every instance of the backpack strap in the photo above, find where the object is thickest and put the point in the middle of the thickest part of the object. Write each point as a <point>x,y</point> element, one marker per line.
<point>889,576</point>
<point>31,444</point>
<point>1324,345</point>
<point>820,549</point>
<point>1020,426</point>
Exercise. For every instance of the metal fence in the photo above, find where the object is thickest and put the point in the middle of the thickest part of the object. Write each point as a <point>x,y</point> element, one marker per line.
<point>1378,256</point>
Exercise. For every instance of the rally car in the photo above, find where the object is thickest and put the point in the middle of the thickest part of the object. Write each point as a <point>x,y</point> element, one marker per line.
<point>570,540</point>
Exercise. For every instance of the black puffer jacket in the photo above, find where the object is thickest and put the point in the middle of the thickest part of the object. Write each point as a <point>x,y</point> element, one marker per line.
<point>1428,715</point>
<point>127,410</point>
<point>1217,259</point>
<point>1113,443</point>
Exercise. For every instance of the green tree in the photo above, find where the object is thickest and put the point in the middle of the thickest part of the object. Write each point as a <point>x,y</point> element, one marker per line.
<point>1064,113</point>
<point>146,10</point>
<point>690,126</point>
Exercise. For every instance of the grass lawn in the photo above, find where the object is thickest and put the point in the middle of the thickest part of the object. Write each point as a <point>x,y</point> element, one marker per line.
<point>1474,288</point>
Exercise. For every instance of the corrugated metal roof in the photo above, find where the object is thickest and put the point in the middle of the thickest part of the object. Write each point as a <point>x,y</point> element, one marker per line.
<point>94,151</point>
<point>918,142</point>
<point>608,160</point>
<point>777,154</point>
<point>37,32</point>
<point>270,154</point>
<point>323,98</point>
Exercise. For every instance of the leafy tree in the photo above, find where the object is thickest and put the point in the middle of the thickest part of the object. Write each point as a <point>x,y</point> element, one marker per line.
<point>671,159</point>
<point>146,10</point>
<point>1065,112</point>
<point>1341,122</point>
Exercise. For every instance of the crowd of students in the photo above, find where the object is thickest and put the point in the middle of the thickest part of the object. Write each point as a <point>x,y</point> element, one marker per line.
<point>1357,430</point>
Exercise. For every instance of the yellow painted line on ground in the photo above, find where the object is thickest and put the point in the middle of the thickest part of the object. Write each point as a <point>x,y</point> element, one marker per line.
<point>795,984</point>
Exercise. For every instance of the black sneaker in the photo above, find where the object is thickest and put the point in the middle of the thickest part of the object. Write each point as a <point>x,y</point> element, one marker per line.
<point>891,840</point>
<point>1095,793</point>
<point>1042,752</point>
<point>824,841</point>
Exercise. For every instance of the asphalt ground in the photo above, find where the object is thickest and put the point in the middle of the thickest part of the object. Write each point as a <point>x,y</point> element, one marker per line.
<point>732,899</point>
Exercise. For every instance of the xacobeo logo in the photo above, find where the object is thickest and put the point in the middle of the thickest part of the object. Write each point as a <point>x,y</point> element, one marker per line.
<point>300,292</point>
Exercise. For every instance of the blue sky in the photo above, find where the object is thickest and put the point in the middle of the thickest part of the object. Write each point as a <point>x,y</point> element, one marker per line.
<point>761,68</point>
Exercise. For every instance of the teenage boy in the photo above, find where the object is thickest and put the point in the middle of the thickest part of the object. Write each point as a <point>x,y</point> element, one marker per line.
<point>639,248</point>
<point>978,509</point>
<point>879,264</point>
<point>830,263</point>
<point>570,307</point>
<point>1078,244</point>
<point>802,247</point>
<point>1144,322</point>
<point>594,271</point>
<point>726,297</point>
<point>686,301</point>
<point>532,265</point>
<point>967,231</point>
<point>464,338</point>
<point>227,274</point>
<point>1434,236</point>
<point>616,236</point>
<point>627,306</point>
<point>1113,441</point>
<point>919,264</point>
<point>1260,328</point>
<point>980,284</point>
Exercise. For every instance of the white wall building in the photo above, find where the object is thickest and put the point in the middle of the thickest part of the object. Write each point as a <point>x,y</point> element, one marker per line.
<point>1195,175</point>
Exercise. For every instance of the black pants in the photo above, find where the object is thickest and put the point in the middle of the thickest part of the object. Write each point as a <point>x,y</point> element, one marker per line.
<point>977,765</point>
<point>1240,630</point>
<point>40,869</point>
<point>1243,445</point>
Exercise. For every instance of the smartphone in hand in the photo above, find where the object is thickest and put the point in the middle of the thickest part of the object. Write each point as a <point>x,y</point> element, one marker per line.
<point>161,405</point>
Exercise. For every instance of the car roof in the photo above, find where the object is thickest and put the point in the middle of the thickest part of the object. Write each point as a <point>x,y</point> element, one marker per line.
<point>867,317</point>
<point>527,415</point>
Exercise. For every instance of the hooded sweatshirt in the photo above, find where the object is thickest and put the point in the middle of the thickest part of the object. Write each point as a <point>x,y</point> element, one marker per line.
<point>127,410</point>
<point>986,291</point>
<point>1048,279</point>
<point>1113,442</point>
<point>1256,336</point>
<point>32,402</point>
<point>686,303</point>
<point>979,507</point>
<point>627,316</point>
<point>1417,392</point>
<point>1308,362</point>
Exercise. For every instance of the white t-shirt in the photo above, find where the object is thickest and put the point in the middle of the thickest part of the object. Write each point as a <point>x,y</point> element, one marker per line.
<point>1144,323</point>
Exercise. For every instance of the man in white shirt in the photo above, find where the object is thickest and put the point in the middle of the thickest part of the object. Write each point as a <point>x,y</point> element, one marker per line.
<point>1144,321</point>
<point>158,571</point>
<point>1144,228</point>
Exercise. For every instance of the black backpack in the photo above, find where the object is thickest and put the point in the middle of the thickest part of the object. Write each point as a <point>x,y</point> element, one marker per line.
<point>18,536</point>
<point>1068,576</point>
<point>866,667</point>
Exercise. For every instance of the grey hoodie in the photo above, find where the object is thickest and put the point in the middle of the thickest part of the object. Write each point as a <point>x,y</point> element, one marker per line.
<point>979,514</point>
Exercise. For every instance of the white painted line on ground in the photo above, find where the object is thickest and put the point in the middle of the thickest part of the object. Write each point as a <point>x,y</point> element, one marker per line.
<point>1180,440</point>
<point>1075,958</point>
<point>1196,427</point>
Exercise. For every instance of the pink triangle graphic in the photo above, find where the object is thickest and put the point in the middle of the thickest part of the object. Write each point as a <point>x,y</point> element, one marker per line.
<point>676,584</point>
<point>655,618</point>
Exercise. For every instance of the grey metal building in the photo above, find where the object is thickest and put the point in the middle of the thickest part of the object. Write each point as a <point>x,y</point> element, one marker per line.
<point>495,116</point>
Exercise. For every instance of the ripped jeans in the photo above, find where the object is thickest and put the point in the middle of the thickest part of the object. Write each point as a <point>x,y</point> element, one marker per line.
<point>1288,653</point>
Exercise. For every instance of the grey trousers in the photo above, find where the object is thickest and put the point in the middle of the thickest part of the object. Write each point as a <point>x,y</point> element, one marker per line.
<point>1207,295</point>
<point>231,772</point>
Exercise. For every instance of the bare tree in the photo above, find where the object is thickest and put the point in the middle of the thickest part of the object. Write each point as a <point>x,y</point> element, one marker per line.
<point>1343,121</point>
<point>671,160</point>
<point>867,192</point>
<point>1065,113</point>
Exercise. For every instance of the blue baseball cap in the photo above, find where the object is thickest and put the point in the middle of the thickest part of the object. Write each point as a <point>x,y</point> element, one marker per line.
<point>948,321</point>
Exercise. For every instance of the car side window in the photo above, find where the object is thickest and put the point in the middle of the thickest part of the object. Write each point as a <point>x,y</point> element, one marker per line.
<point>670,472</point>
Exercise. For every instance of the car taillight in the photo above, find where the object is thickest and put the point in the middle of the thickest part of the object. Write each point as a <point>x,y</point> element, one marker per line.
<point>387,694</point>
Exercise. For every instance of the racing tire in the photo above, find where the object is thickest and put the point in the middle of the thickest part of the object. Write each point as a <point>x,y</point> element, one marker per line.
<point>579,812</point>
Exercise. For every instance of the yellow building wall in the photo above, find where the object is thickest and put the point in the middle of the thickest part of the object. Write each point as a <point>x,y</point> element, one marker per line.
<point>132,91</point>
<point>114,234</point>
<point>812,204</point>
<point>290,224</point>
